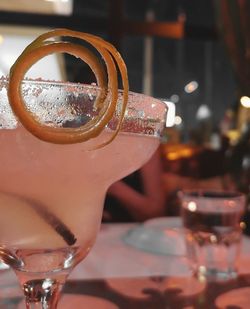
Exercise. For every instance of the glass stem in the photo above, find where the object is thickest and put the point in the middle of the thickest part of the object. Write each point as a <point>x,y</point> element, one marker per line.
<point>42,293</point>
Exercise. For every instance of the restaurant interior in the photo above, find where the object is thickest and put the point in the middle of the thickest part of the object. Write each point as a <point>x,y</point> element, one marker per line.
<point>194,56</point>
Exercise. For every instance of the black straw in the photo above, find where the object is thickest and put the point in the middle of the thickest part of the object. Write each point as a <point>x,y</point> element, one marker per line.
<point>51,219</point>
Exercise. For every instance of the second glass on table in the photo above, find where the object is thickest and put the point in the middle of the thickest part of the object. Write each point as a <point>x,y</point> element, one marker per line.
<point>213,232</point>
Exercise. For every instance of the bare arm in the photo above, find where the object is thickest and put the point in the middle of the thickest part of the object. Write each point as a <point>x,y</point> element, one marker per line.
<point>152,202</point>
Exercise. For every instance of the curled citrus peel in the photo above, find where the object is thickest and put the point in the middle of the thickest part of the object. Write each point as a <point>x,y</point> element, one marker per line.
<point>106,101</point>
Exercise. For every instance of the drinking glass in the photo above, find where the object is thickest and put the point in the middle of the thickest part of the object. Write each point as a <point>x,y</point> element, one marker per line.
<point>51,196</point>
<point>213,233</point>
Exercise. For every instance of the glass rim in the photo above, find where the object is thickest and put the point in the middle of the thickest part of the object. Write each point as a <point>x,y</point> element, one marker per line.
<point>211,194</point>
<point>40,81</point>
<point>145,115</point>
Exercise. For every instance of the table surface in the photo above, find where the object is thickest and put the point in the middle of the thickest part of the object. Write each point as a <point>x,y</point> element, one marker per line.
<point>111,257</point>
<point>118,275</point>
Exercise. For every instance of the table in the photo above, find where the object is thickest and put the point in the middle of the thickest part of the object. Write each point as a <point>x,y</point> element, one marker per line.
<point>111,257</point>
<point>117,275</point>
<point>132,278</point>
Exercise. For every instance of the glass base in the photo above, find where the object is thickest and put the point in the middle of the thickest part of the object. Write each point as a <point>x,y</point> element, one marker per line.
<point>213,274</point>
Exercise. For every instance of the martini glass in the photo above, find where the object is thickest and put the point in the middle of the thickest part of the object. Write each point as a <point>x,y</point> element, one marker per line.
<point>51,196</point>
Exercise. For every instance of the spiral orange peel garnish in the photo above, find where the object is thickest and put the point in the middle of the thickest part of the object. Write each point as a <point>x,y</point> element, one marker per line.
<point>106,106</point>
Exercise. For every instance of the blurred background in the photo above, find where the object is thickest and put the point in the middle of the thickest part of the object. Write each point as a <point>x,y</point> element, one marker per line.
<point>195,55</point>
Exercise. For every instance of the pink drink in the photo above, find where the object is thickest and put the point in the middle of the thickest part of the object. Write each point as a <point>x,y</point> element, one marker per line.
<point>52,195</point>
<point>74,182</point>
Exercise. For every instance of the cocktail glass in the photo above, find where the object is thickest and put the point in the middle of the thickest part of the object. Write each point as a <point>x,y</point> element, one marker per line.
<point>51,196</point>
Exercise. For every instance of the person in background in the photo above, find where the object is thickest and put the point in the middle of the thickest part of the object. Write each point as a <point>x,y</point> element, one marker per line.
<point>139,196</point>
